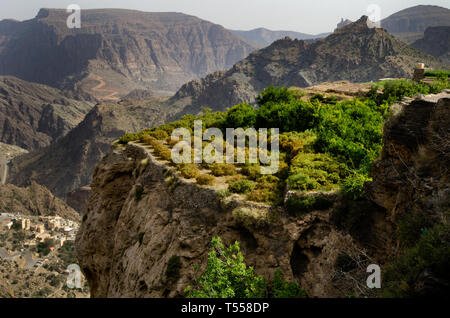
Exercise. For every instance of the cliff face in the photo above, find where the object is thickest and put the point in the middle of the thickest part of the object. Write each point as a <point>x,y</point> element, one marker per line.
<point>125,48</point>
<point>354,52</point>
<point>33,115</point>
<point>128,237</point>
<point>413,173</point>
<point>436,42</point>
<point>180,218</point>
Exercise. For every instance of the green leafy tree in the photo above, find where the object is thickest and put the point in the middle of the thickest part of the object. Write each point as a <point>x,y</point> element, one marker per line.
<point>227,275</point>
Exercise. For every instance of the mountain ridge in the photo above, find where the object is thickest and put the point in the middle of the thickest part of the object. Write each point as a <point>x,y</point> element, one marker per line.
<point>355,53</point>
<point>129,49</point>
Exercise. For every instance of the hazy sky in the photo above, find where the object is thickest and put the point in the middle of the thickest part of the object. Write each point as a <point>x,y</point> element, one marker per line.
<point>313,16</point>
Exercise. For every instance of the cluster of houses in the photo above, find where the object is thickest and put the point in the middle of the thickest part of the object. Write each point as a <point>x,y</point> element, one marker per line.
<point>53,227</point>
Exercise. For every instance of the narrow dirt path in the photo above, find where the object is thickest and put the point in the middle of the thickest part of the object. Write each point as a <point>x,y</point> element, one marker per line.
<point>99,89</point>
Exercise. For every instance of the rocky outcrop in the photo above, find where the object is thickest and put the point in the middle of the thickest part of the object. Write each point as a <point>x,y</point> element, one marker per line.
<point>34,115</point>
<point>141,213</point>
<point>125,48</point>
<point>125,243</point>
<point>436,42</point>
<point>413,173</point>
<point>343,23</point>
<point>78,199</point>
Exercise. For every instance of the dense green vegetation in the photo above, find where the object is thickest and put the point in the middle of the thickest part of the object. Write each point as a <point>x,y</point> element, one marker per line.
<point>325,144</point>
<point>430,252</point>
<point>227,276</point>
<point>438,73</point>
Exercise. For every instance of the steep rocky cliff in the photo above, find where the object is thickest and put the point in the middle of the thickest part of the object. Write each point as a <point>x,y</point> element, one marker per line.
<point>413,173</point>
<point>34,115</point>
<point>355,53</point>
<point>436,42</point>
<point>124,48</point>
<point>141,213</point>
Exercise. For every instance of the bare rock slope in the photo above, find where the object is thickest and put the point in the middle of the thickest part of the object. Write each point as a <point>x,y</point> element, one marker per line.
<point>34,115</point>
<point>126,49</point>
<point>355,53</point>
<point>68,164</point>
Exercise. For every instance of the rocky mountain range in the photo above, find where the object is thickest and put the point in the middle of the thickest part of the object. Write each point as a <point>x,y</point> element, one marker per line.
<point>262,37</point>
<point>34,115</point>
<point>355,53</point>
<point>68,163</point>
<point>116,51</point>
<point>409,24</point>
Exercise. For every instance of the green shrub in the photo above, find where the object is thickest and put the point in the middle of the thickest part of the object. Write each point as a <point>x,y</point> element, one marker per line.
<point>351,131</point>
<point>252,217</point>
<point>283,289</point>
<point>159,134</point>
<point>189,170</point>
<point>353,185</point>
<point>43,248</point>
<point>438,73</point>
<point>241,186</point>
<point>299,205</point>
<point>173,267</point>
<point>205,179</point>
<point>226,275</point>
<point>222,193</point>
<point>314,171</point>
<point>127,138</point>
<point>252,171</point>
<point>275,95</point>
<point>411,227</point>
<point>431,252</point>
<point>242,115</point>
<point>222,169</point>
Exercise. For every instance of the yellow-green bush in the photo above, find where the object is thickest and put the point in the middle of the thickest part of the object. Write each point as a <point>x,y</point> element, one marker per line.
<point>314,171</point>
<point>251,216</point>
<point>159,134</point>
<point>241,186</point>
<point>222,169</point>
<point>252,171</point>
<point>205,179</point>
<point>189,170</point>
